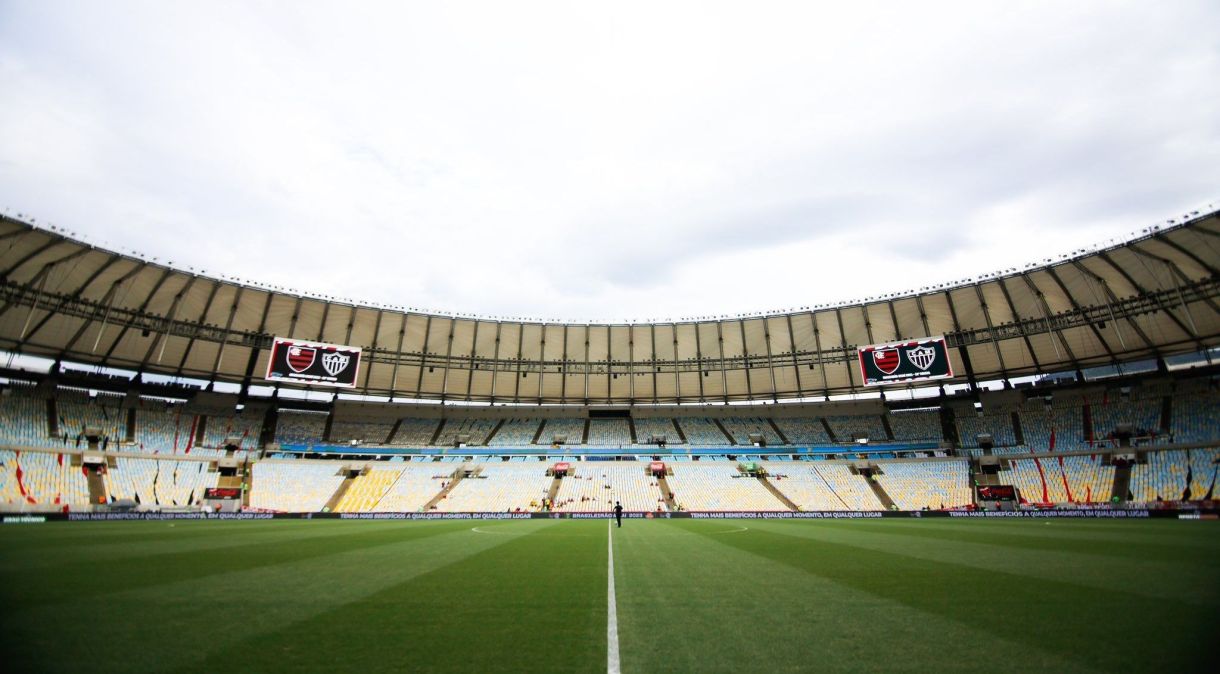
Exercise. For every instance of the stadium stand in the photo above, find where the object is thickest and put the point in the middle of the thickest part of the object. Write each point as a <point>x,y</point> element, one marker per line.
<point>646,427</point>
<point>702,432</point>
<point>294,487</point>
<point>916,426</point>
<point>609,432</point>
<point>163,431</point>
<point>414,432</point>
<point>718,485</point>
<point>41,479</point>
<point>741,428</point>
<point>847,428</point>
<point>364,432</point>
<point>477,429</point>
<point>500,487</point>
<point>78,411</point>
<point>153,482</point>
<point>934,485</point>
<point>594,486</point>
<point>574,429</point>
<point>300,427</point>
<point>516,433</point>
<point>24,418</point>
<point>415,485</point>
<point>997,422</point>
<point>1142,414</point>
<point>804,430</point>
<point>1162,478</point>
<point>1196,416</point>
<point>244,426</point>
<point>1057,428</point>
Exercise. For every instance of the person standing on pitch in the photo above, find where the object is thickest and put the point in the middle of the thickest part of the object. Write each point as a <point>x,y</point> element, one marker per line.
<point>618,513</point>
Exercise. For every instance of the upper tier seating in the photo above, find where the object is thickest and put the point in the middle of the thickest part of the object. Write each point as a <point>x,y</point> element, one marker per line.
<point>366,432</point>
<point>163,430</point>
<point>803,430</point>
<point>414,432</point>
<point>646,427</point>
<point>78,411</point>
<point>848,428</point>
<point>23,419</point>
<point>702,432</point>
<point>246,426</point>
<point>573,428</point>
<point>1196,417</point>
<point>295,427</point>
<point>997,422</point>
<point>609,432</point>
<point>477,429</point>
<point>1060,428</point>
<point>741,428</point>
<point>516,433</point>
<point>916,426</point>
<point>415,486</point>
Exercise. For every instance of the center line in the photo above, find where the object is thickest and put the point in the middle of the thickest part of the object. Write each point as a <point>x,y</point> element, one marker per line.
<point>612,666</point>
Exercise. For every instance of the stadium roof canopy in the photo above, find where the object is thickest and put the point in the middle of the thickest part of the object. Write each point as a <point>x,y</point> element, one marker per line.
<point>1152,296</point>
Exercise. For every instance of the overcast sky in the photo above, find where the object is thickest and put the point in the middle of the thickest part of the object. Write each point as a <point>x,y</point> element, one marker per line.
<point>607,160</point>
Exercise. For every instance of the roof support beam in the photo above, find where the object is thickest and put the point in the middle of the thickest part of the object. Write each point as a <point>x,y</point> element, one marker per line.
<point>1029,347</point>
<point>1105,257</point>
<point>1076,305</point>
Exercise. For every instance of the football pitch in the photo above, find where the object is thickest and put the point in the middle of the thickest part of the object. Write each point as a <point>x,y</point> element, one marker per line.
<point>536,595</point>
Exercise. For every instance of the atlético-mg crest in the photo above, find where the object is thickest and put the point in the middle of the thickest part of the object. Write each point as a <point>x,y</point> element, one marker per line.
<point>921,357</point>
<point>334,363</point>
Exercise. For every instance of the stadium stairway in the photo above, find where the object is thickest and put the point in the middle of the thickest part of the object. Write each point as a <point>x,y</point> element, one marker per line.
<point>97,486</point>
<point>494,431</point>
<point>783,438</point>
<point>554,490</point>
<point>453,482</point>
<point>346,484</point>
<point>885,499</point>
<point>666,493</point>
<point>1122,482</point>
<point>678,429</point>
<point>728,436</point>
<point>776,493</point>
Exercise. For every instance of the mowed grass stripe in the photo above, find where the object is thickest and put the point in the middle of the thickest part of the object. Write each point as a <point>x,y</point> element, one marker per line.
<point>1191,580</point>
<point>87,577</point>
<point>177,626</point>
<point>1187,536</point>
<point>536,602</point>
<point>1110,630</point>
<point>687,603</point>
<point>158,538</point>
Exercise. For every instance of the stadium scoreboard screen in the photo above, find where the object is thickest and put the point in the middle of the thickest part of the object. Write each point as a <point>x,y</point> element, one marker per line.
<point>912,360</point>
<point>313,363</point>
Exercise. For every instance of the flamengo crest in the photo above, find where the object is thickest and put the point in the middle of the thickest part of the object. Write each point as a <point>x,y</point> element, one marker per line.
<point>886,360</point>
<point>922,357</point>
<point>300,357</point>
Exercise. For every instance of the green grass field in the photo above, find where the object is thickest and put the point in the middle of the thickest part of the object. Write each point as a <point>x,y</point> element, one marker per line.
<point>692,595</point>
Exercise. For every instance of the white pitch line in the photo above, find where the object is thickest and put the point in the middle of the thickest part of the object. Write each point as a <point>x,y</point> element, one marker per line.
<point>731,531</point>
<point>612,666</point>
